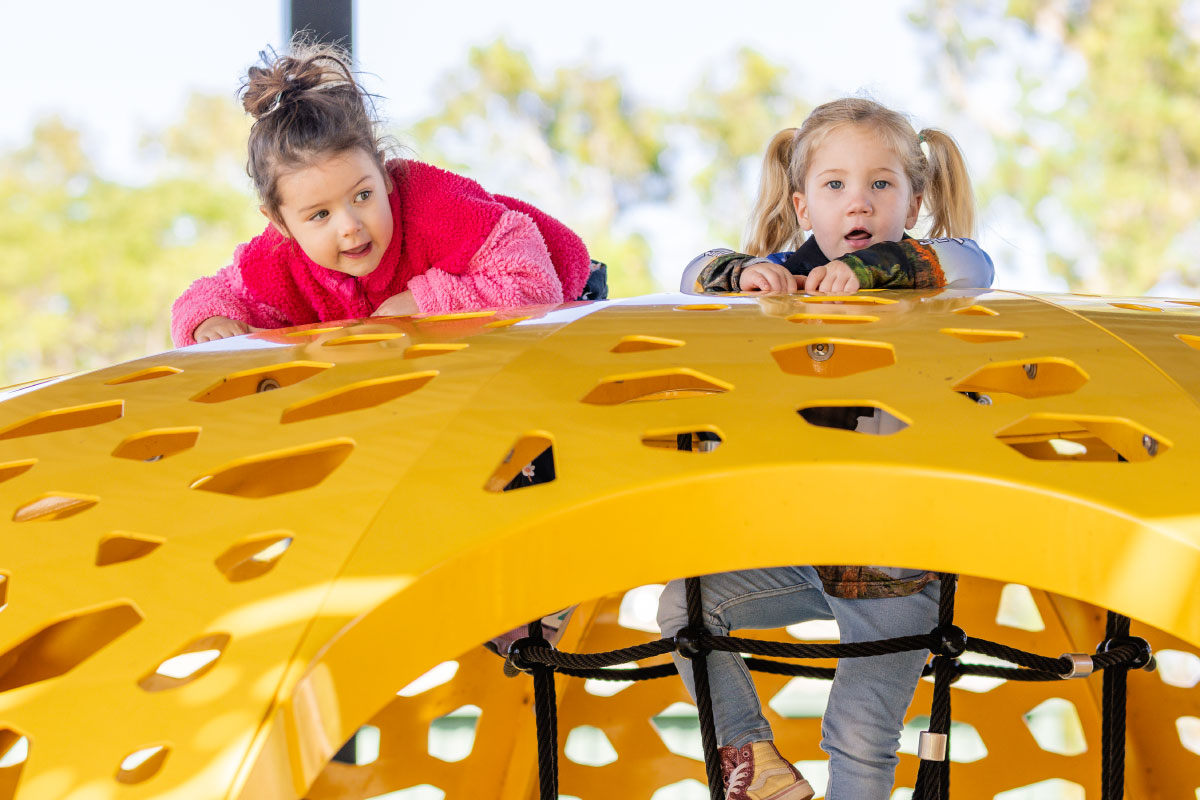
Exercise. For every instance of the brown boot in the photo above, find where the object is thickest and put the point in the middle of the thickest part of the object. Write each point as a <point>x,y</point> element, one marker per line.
<point>757,772</point>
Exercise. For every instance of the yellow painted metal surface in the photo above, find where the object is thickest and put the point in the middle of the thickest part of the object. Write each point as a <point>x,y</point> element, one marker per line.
<point>220,562</point>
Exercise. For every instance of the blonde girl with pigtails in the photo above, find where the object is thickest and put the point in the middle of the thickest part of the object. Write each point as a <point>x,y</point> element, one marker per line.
<point>855,176</point>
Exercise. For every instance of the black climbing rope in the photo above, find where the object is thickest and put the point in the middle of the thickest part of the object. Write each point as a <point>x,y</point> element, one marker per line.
<point>933,776</point>
<point>695,631</point>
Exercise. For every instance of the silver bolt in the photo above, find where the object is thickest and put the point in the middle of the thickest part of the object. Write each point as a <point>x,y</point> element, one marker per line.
<point>984,400</point>
<point>821,351</point>
<point>1031,371</point>
<point>154,458</point>
<point>1151,445</point>
<point>267,385</point>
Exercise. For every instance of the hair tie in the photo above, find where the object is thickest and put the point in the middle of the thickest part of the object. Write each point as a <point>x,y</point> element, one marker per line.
<point>923,143</point>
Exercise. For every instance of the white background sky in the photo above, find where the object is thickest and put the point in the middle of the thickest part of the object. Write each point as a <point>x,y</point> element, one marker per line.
<point>119,67</point>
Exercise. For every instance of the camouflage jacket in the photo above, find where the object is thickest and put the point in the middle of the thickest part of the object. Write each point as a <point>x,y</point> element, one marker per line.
<point>872,583</point>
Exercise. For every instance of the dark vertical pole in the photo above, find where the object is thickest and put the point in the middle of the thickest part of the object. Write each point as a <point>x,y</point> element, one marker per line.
<point>330,20</point>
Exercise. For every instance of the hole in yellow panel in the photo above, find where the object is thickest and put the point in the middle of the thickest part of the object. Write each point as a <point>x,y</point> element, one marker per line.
<point>1104,438</point>
<point>1189,733</point>
<point>666,384</point>
<point>192,661</point>
<point>587,745</point>
<point>679,728</point>
<point>832,358</point>
<point>981,336</point>
<point>1039,377</point>
<point>157,444</point>
<point>12,469</point>
<point>143,764</point>
<point>691,439</point>
<point>356,396</point>
<point>280,471</point>
<point>638,344</point>
<point>147,374</point>
<point>117,547</point>
<point>802,698</point>
<point>833,319</point>
<point>1175,667</point>
<point>854,415</point>
<point>14,752</point>
<point>976,311</point>
<point>1186,302</point>
<point>1189,340</point>
<point>1135,307</point>
<point>432,349</point>
<point>849,300</point>
<point>451,737</point>
<point>61,646</point>
<point>1018,609</point>
<point>435,677</point>
<point>253,556</point>
<point>456,315</point>
<point>260,379</point>
<point>54,505</point>
<point>1056,728</point>
<point>528,463</point>
<point>504,323</point>
<point>702,307</point>
<point>639,608</point>
<point>65,419</point>
<point>364,338</point>
<point>4,579</point>
<point>608,688</point>
<point>1056,788</point>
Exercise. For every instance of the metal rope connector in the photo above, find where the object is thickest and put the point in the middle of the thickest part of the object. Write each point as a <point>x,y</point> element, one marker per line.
<point>515,661</point>
<point>932,746</point>
<point>1081,665</point>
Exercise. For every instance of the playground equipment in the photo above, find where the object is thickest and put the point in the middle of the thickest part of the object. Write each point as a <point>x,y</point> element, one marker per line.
<point>220,564</point>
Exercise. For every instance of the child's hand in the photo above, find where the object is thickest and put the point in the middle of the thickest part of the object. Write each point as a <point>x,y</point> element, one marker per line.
<point>767,277</point>
<point>398,305</point>
<point>215,328</point>
<point>833,278</point>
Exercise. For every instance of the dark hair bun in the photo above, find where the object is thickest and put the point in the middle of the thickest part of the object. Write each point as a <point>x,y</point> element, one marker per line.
<point>310,66</point>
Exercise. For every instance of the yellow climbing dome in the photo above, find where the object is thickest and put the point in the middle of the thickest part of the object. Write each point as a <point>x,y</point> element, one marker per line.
<point>218,564</point>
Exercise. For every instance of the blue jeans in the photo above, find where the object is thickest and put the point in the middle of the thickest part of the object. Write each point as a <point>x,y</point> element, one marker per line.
<point>869,697</point>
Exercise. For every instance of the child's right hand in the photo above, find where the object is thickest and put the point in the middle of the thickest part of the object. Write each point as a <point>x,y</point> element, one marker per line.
<point>215,328</point>
<point>767,277</point>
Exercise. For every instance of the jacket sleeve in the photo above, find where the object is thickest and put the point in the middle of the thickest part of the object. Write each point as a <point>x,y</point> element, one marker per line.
<point>220,295</point>
<point>511,268</point>
<point>718,270</point>
<point>922,264</point>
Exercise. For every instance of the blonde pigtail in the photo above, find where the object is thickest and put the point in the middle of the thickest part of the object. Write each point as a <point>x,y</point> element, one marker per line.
<point>948,195</point>
<point>773,226</point>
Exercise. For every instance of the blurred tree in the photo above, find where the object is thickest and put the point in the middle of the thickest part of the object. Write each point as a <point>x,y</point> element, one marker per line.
<point>91,267</point>
<point>1102,149</point>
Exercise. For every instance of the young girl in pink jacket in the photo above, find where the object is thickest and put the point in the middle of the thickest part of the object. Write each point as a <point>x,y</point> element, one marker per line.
<point>352,234</point>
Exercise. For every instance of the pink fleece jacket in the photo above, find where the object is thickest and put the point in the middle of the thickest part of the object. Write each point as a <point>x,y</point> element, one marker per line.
<point>454,245</point>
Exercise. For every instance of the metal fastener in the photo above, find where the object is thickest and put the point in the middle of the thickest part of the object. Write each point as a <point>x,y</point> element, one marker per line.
<point>983,400</point>
<point>931,746</point>
<point>1031,371</point>
<point>1151,444</point>
<point>267,385</point>
<point>821,351</point>
<point>1081,665</point>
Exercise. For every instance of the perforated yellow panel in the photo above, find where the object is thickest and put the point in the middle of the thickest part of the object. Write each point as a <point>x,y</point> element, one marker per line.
<point>219,563</point>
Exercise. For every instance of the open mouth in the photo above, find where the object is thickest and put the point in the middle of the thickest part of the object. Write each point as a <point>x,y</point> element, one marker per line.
<point>358,252</point>
<point>858,235</point>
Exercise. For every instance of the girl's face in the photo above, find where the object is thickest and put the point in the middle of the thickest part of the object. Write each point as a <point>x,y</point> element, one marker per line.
<point>856,193</point>
<point>337,210</point>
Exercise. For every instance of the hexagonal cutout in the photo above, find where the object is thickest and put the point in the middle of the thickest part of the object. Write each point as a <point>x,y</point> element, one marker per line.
<point>1135,306</point>
<point>703,307</point>
<point>587,745</point>
<point>1189,340</point>
<point>663,384</point>
<point>832,319</point>
<point>147,374</point>
<point>1175,667</point>
<point>1188,729</point>
<point>65,419</point>
<point>875,419</point>
<point>978,684</point>
<point>363,747</point>
<point>983,335</point>
<point>54,506</point>
<point>1102,438</point>
<point>433,349</point>
<point>14,752</point>
<point>357,396</point>
<point>689,439</point>
<point>11,469</point>
<point>119,546</point>
<point>802,698</point>
<point>142,764</point>
<point>455,315</point>
<point>832,358</point>
<point>260,379</point>
<point>364,338</point>
<point>452,736</point>
<point>442,673</point>
<point>1029,378</point>
<point>640,344</point>
<point>1017,609</point>
<point>253,556</point>
<point>157,443</point>
<point>1056,728</point>
<point>5,578</point>
<point>1057,788</point>
<point>967,744</point>
<point>279,471</point>
<point>529,462</point>
<point>686,789</point>
<point>639,608</point>
<point>976,311</point>
<point>424,791</point>
<point>607,688</point>
<point>65,644</point>
<point>679,728</point>
<point>190,662</point>
<point>850,300</point>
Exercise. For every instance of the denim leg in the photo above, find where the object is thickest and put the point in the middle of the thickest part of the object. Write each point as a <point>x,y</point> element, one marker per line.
<point>862,723</point>
<point>759,598</point>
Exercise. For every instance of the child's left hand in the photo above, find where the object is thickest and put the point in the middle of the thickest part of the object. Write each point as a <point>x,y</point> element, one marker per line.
<point>398,305</point>
<point>833,278</point>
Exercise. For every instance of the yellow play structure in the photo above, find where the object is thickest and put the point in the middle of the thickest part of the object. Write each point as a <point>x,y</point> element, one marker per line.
<point>220,564</point>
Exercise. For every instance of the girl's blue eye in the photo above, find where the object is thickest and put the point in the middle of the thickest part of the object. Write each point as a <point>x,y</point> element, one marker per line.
<point>834,184</point>
<point>880,184</point>
<point>363,195</point>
